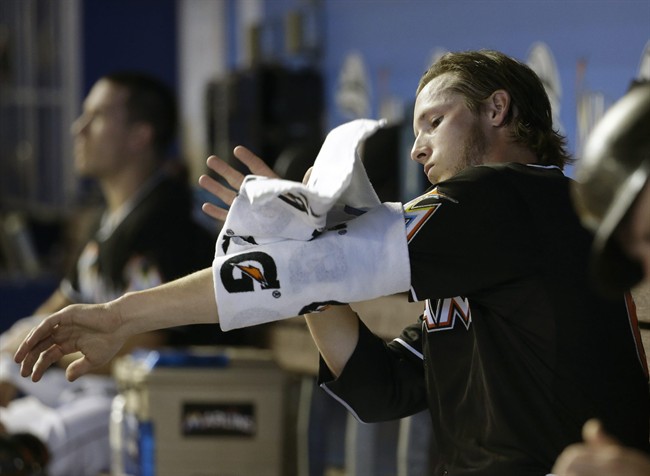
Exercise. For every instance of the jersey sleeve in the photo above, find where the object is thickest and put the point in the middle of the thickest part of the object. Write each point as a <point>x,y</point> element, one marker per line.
<point>380,381</point>
<point>465,235</point>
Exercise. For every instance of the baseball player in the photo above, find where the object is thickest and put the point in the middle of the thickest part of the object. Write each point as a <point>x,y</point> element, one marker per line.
<point>515,349</point>
<point>144,237</point>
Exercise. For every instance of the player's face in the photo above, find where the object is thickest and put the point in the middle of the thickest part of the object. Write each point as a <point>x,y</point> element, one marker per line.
<point>634,234</point>
<point>448,136</point>
<point>101,132</point>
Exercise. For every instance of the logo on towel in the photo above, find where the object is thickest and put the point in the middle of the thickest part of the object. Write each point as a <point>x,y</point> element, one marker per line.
<point>299,202</point>
<point>244,272</point>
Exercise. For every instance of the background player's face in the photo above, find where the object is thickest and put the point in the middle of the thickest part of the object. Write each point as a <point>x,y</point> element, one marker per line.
<point>448,136</point>
<point>101,132</point>
<point>634,234</point>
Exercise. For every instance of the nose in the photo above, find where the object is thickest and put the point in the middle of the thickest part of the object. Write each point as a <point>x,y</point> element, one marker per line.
<point>420,151</point>
<point>79,124</point>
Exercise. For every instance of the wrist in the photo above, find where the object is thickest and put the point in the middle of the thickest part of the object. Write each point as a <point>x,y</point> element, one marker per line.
<point>125,311</point>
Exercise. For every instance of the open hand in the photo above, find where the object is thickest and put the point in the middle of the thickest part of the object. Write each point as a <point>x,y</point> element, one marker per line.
<point>233,177</point>
<point>93,330</point>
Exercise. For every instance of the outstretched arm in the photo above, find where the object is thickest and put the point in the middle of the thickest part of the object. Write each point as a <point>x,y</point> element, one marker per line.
<point>98,331</point>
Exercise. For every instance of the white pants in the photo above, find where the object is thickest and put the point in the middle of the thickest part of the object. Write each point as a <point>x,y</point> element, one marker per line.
<point>72,419</point>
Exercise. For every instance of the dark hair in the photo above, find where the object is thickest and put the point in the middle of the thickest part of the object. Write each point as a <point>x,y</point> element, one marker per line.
<point>151,101</point>
<point>479,73</point>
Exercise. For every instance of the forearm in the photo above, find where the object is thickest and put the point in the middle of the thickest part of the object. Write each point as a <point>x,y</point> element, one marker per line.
<point>188,300</point>
<point>378,381</point>
<point>335,332</point>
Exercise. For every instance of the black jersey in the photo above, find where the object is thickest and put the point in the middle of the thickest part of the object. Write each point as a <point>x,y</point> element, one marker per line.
<point>515,349</point>
<point>152,240</point>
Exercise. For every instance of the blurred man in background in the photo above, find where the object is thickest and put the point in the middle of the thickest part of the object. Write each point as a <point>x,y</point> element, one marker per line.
<point>612,196</point>
<point>145,236</point>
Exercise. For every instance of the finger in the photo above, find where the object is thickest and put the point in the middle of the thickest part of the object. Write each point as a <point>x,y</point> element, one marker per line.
<point>46,359</point>
<point>256,165</point>
<point>594,433</point>
<point>36,335</point>
<point>214,211</point>
<point>78,368</point>
<point>36,363</point>
<point>229,173</point>
<point>29,360</point>
<point>305,179</point>
<point>217,189</point>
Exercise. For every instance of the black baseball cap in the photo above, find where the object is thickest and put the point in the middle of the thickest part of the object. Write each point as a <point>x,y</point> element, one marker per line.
<point>609,178</point>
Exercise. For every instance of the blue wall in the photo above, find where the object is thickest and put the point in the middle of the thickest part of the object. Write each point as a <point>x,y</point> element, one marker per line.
<point>399,37</point>
<point>128,34</point>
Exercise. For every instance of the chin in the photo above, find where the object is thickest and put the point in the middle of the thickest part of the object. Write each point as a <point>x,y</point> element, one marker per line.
<point>435,178</point>
<point>81,169</point>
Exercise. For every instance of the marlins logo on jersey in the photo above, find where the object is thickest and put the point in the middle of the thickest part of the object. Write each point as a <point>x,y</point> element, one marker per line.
<point>418,211</point>
<point>444,314</point>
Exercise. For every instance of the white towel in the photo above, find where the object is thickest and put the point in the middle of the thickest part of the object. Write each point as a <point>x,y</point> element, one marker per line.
<point>288,248</point>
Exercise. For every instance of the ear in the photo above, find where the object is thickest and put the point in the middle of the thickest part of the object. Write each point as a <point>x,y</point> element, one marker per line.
<point>497,107</point>
<point>141,135</point>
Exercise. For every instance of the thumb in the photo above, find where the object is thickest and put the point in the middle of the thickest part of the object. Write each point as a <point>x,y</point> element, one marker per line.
<point>305,179</point>
<point>594,433</point>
